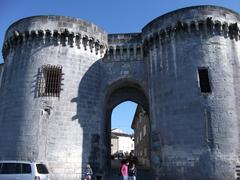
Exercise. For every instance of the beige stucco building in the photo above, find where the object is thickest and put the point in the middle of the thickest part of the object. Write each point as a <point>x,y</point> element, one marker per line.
<point>121,141</point>
<point>141,128</point>
<point>114,143</point>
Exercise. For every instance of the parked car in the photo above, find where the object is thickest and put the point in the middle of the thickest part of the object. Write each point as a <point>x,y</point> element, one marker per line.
<point>23,170</point>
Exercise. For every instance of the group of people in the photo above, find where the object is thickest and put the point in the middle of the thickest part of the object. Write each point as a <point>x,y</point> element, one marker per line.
<point>128,171</point>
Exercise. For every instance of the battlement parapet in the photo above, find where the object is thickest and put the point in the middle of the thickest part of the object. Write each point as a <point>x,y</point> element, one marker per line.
<point>205,20</point>
<point>124,47</point>
<point>57,30</point>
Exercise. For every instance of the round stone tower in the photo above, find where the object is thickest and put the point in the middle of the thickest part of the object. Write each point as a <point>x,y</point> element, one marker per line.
<point>46,58</point>
<point>193,57</point>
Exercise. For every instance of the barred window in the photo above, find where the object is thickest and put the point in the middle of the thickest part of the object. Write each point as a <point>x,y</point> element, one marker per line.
<point>50,80</point>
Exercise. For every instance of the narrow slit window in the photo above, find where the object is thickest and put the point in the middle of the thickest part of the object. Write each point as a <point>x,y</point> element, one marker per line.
<point>209,129</point>
<point>204,80</point>
<point>50,80</point>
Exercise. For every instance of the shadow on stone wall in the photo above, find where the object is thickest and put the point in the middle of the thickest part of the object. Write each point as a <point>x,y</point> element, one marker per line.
<point>89,116</point>
<point>95,102</point>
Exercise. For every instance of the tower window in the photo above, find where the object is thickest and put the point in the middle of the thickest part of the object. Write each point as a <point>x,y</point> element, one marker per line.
<point>50,80</point>
<point>204,80</point>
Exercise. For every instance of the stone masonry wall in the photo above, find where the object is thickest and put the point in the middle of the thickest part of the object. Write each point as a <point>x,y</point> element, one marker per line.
<point>56,130</point>
<point>1,72</point>
<point>194,134</point>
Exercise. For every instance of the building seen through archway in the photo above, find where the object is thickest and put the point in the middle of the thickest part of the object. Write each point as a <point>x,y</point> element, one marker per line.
<point>122,143</point>
<point>141,128</point>
<point>130,138</point>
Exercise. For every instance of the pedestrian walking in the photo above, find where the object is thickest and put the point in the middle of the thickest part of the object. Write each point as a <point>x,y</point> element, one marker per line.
<point>87,173</point>
<point>124,170</point>
<point>132,172</point>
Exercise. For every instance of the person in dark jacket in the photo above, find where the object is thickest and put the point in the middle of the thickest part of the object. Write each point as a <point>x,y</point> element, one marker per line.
<point>132,172</point>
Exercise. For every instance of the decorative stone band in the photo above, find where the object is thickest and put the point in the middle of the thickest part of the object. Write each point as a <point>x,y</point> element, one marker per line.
<point>125,52</point>
<point>207,27</point>
<point>55,37</point>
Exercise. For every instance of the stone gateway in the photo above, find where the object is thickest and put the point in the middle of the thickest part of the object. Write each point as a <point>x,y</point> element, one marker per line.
<point>62,77</point>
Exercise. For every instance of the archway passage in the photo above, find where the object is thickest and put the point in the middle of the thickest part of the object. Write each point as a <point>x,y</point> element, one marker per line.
<point>119,92</point>
<point>122,135</point>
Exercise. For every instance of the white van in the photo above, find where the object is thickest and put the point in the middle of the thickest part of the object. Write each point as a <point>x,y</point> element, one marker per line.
<point>23,170</point>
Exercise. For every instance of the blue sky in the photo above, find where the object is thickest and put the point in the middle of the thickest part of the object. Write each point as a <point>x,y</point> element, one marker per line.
<point>122,116</point>
<point>113,16</point>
